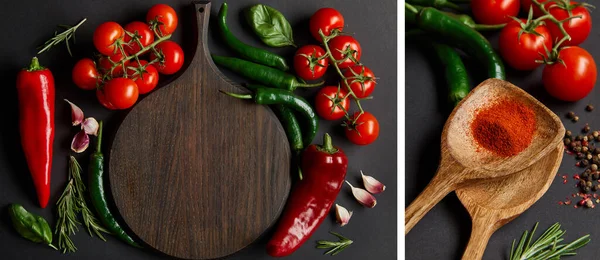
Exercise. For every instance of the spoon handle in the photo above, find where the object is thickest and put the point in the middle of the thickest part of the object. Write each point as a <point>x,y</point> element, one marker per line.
<point>435,191</point>
<point>483,228</point>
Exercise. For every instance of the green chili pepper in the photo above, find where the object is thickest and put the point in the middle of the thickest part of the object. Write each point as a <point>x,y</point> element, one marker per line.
<point>455,72</point>
<point>459,35</point>
<point>272,96</point>
<point>411,17</point>
<point>30,226</point>
<point>435,3</point>
<point>267,76</point>
<point>96,188</point>
<point>246,51</point>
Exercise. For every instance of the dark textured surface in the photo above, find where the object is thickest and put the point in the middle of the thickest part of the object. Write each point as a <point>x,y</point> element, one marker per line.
<point>374,26</point>
<point>443,233</point>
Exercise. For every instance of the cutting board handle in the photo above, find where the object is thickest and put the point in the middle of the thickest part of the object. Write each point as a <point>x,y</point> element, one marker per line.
<point>202,55</point>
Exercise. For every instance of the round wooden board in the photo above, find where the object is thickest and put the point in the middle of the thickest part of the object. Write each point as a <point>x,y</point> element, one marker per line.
<point>197,174</point>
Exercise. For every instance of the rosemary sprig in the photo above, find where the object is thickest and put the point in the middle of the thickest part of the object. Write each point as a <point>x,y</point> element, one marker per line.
<point>63,36</point>
<point>336,247</point>
<point>70,203</point>
<point>546,246</point>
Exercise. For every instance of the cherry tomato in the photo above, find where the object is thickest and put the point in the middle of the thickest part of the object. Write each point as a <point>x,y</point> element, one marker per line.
<point>574,79</point>
<point>578,28</point>
<point>105,36</point>
<point>106,65</point>
<point>146,79</point>
<point>165,15</point>
<point>85,75</point>
<point>521,52</point>
<point>329,101</point>
<point>102,99</point>
<point>122,93</point>
<point>325,19</point>
<point>526,4</point>
<point>362,82</point>
<point>171,59</point>
<point>307,64</point>
<point>494,11</point>
<point>345,46</point>
<point>363,129</point>
<point>146,36</point>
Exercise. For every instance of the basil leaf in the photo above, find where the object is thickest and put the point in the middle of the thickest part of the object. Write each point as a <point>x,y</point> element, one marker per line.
<point>270,25</point>
<point>30,226</point>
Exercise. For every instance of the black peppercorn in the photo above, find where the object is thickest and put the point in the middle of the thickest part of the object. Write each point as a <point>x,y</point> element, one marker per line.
<point>596,176</point>
<point>585,149</point>
<point>590,137</point>
<point>585,174</point>
<point>568,133</point>
<point>571,115</point>
<point>585,163</point>
<point>567,141</point>
<point>594,167</point>
<point>586,189</point>
<point>577,149</point>
<point>578,137</point>
<point>589,107</point>
<point>597,150</point>
<point>595,188</point>
<point>575,119</point>
<point>586,128</point>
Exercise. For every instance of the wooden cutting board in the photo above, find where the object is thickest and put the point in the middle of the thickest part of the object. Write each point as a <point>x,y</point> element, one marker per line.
<point>197,174</point>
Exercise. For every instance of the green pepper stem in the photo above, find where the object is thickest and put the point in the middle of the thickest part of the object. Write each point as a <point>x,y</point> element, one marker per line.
<point>54,247</point>
<point>35,65</point>
<point>411,8</point>
<point>99,141</point>
<point>306,85</point>
<point>240,96</point>
<point>488,27</point>
<point>327,145</point>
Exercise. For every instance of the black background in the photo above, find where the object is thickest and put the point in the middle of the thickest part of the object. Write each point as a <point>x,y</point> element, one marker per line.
<point>444,232</point>
<point>27,24</point>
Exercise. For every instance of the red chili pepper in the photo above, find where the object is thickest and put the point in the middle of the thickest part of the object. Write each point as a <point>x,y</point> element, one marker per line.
<point>324,168</point>
<point>35,87</point>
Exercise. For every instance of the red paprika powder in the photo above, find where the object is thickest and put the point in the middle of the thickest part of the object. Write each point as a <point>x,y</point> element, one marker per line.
<point>505,128</point>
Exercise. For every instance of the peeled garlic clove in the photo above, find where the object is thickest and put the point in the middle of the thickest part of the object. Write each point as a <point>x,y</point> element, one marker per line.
<point>364,197</point>
<point>342,215</point>
<point>80,142</point>
<point>76,113</point>
<point>371,184</point>
<point>90,126</point>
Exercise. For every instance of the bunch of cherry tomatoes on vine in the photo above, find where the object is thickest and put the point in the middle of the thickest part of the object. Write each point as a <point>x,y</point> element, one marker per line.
<point>131,58</point>
<point>550,35</point>
<point>342,52</point>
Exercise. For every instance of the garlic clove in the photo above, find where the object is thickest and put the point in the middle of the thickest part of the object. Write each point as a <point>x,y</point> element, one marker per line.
<point>371,184</point>
<point>80,142</point>
<point>342,215</point>
<point>364,197</point>
<point>90,126</point>
<point>76,113</point>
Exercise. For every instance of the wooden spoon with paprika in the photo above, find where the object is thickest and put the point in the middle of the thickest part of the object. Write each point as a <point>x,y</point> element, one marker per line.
<point>495,203</point>
<point>465,161</point>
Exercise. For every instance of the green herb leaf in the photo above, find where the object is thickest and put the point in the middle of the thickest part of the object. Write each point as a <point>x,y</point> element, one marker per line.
<point>334,247</point>
<point>546,246</point>
<point>270,25</point>
<point>65,36</point>
<point>30,226</point>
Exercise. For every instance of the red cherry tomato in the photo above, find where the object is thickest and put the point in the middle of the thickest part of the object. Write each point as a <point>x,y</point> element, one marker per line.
<point>578,28</point>
<point>494,11</point>
<point>345,46</point>
<point>574,79</point>
<point>105,36</point>
<point>102,99</point>
<point>325,19</point>
<point>146,79</point>
<point>122,93</point>
<point>521,52</point>
<point>362,80</point>
<point>145,35</point>
<point>328,102</point>
<point>171,59</point>
<point>165,15</point>
<point>363,129</point>
<point>85,75</point>
<point>106,65</point>
<point>307,64</point>
<point>526,4</point>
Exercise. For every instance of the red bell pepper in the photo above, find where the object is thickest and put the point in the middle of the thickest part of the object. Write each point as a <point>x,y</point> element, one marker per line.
<point>35,88</point>
<point>324,168</point>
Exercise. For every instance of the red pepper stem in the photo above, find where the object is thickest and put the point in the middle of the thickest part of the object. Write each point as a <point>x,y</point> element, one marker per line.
<point>327,145</point>
<point>99,141</point>
<point>34,65</point>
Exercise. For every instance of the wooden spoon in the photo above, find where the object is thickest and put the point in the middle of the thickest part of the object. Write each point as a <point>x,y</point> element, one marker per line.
<point>495,203</point>
<point>462,164</point>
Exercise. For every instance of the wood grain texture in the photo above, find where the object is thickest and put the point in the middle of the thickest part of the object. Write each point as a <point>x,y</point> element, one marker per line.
<point>194,173</point>
<point>462,163</point>
<point>493,204</point>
